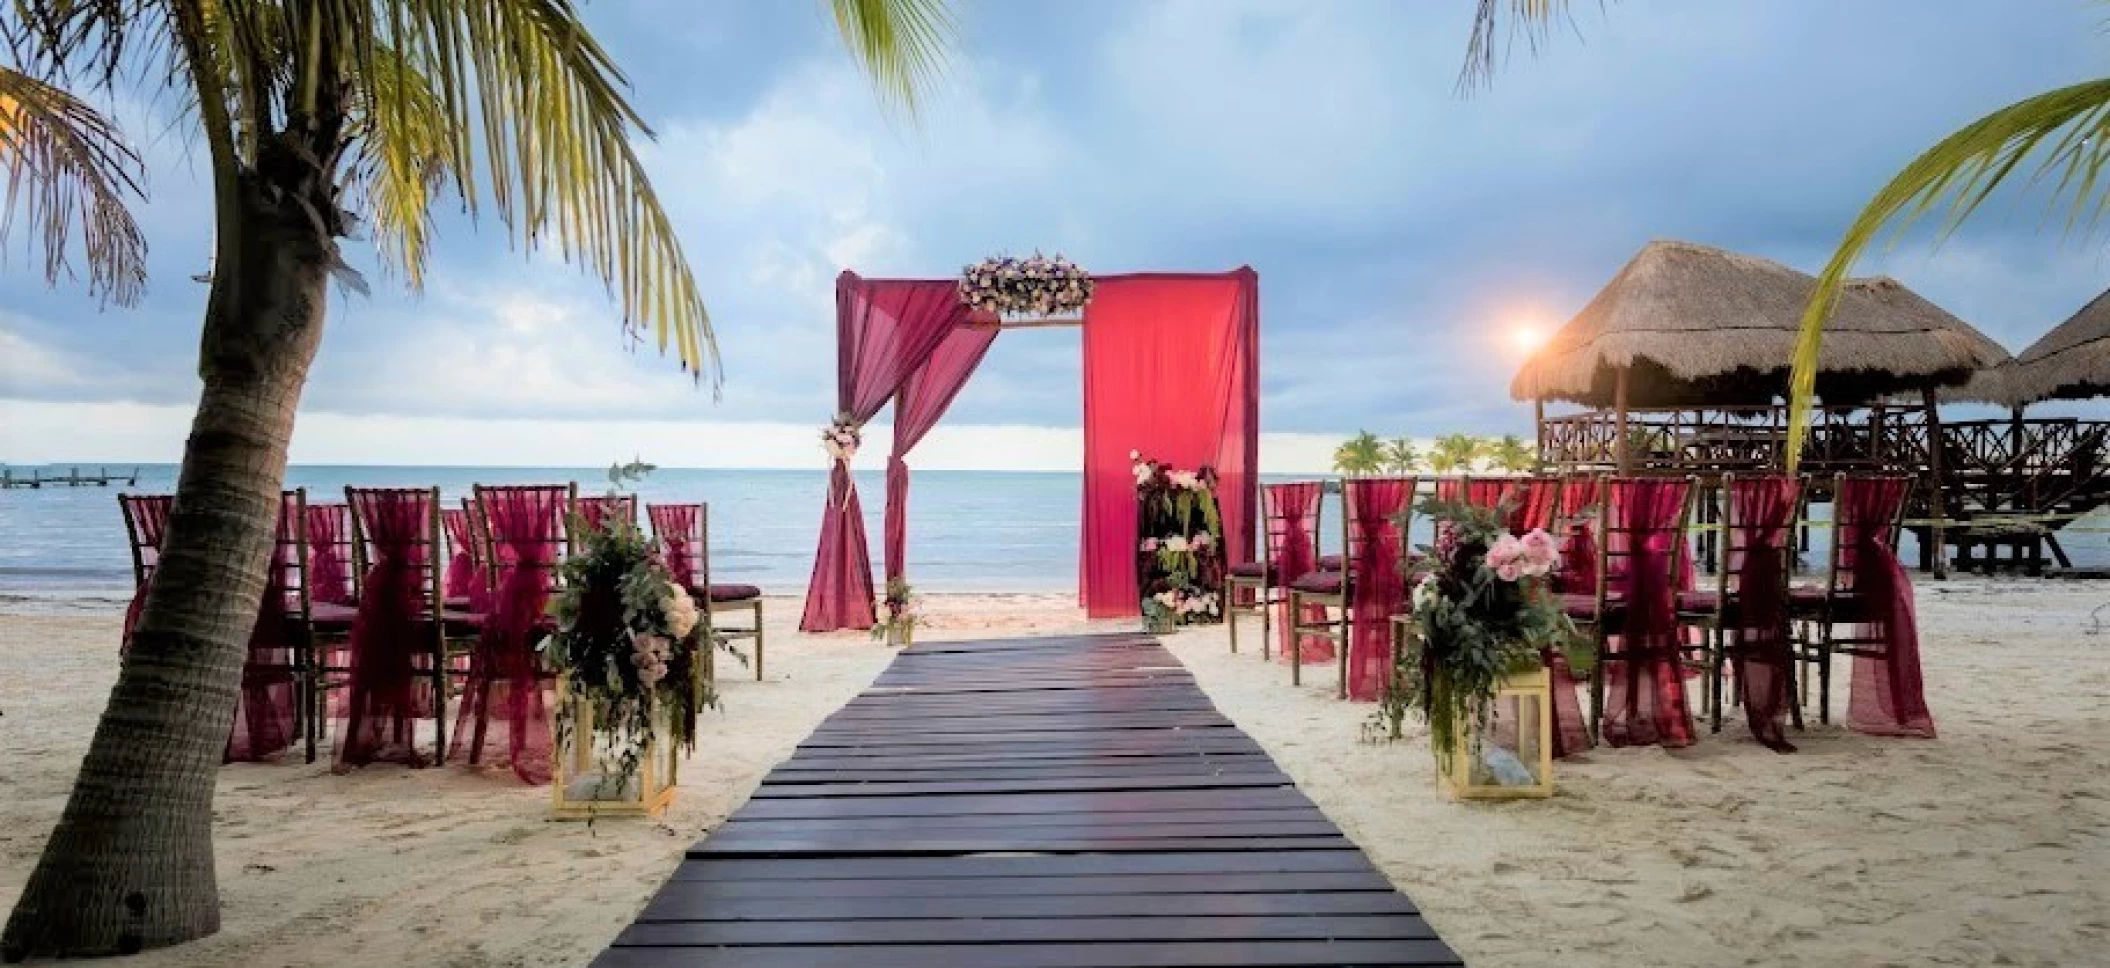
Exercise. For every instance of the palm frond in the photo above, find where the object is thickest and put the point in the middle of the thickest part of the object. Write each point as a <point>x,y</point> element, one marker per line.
<point>2068,128</point>
<point>901,44</point>
<point>1497,24</point>
<point>69,169</point>
<point>402,161</point>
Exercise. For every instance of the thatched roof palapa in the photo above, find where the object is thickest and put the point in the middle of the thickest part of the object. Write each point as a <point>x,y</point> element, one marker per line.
<point>1695,325</point>
<point>2072,362</point>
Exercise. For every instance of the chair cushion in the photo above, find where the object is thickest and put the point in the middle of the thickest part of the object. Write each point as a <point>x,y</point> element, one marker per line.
<point>331,617</point>
<point>731,593</point>
<point>1251,569</point>
<point>1806,594</point>
<point>1319,583</point>
<point>1580,606</point>
<point>1700,601</point>
<point>1332,562</point>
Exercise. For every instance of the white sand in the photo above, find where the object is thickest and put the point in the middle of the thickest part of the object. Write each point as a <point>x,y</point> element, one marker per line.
<point>1989,846</point>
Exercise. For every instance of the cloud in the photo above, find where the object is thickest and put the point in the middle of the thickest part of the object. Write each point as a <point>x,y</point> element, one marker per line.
<point>1399,230</point>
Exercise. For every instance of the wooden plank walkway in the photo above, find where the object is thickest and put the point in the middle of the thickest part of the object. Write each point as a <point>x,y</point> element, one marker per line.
<point>1028,803</point>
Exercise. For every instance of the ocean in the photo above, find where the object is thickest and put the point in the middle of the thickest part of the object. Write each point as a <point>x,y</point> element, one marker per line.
<point>64,548</point>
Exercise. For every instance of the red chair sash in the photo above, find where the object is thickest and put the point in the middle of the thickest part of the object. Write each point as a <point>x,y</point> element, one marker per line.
<point>1757,626</point>
<point>505,685</point>
<point>1378,586</point>
<point>384,699</point>
<point>1888,697</point>
<point>1646,705</point>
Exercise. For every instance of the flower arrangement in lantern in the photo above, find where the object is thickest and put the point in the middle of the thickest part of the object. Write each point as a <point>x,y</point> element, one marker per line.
<point>1483,612</point>
<point>903,610</point>
<point>1179,549</point>
<point>1033,286</point>
<point>625,652</point>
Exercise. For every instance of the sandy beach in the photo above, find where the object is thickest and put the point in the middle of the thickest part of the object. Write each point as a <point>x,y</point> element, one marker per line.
<point>1985,847</point>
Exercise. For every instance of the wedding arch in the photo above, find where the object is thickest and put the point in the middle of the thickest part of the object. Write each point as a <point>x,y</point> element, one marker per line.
<point>1170,369</point>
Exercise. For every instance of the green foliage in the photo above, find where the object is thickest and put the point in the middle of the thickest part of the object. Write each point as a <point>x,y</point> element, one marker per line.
<point>1401,457</point>
<point>1360,455</point>
<point>1455,452</point>
<point>1512,454</point>
<point>1471,627</point>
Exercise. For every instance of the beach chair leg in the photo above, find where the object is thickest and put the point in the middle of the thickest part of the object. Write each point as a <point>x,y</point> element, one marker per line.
<point>1794,679</point>
<point>1267,614</point>
<point>1340,650</point>
<point>1296,640</point>
<point>1597,691</point>
<point>758,640</point>
<point>1230,606</point>
<point>1715,658</point>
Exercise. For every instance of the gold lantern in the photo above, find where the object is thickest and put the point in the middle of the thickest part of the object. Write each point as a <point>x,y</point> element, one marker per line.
<point>581,790</point>
<point>1513,757</point>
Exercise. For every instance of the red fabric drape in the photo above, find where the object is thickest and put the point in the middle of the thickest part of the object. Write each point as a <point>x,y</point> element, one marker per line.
<point>1533,503</point>
<point>679,530</point>
<point>263,715</point>
<point>1578,511</point>
<point>1376,583</point>
<point>385,699</point>
<point>885,330</point>
<point>503,704</point>
<point>1170,369</point>
<point>1292,515</point>
<point>462,579</point>
<point>148,515</point>
<point>922,400</point>
<point>1646,705</point>
<point>1485,492</point>
<point>596,511</point>
<point>330,551</point>
<point>1755,624</point>
<point>1888,697</point>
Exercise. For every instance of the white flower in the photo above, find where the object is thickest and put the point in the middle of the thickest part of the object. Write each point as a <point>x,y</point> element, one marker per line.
<point>680,612</point>
<point>1135,455</point>
<point>1200,541</point>
<point>1175,544</point>
<point>1185,480</point>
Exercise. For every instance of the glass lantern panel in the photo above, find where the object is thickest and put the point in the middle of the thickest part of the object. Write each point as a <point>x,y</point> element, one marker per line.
<point>1509,751</point>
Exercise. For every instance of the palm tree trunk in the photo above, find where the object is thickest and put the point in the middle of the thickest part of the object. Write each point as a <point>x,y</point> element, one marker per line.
<point>130,865</point>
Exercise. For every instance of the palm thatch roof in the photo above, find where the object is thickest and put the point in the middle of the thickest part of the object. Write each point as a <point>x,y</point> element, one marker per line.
<point>1695,325</point>
<point>2072,362</point>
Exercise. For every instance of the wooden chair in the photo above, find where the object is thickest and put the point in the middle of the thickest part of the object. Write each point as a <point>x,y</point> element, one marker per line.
<point>684,535</point>
<point>1327,591</point>
<point>1716,612</point>
<point>1602,613</point>
<point>1822,612</point>
<point>596,511</point>
<point>442,631</point>
<point>1534,504</point>
<point>1284,509</point>
<point>146,522</point>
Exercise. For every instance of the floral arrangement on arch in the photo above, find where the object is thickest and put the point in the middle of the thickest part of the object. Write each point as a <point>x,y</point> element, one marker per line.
<point>1179,550</point>
<point>626,644</point>
<point>1484,607</point>
<point>1033,286</point>
<point>841,439</point>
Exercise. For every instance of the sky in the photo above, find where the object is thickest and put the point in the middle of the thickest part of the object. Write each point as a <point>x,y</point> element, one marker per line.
<point>1403,234</point>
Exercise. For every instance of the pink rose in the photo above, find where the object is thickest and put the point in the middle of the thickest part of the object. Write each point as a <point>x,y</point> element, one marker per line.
<point>1508,571</point>
<point>1150,544</point>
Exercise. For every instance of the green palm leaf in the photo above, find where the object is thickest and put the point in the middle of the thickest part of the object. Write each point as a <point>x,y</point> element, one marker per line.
<point>69,170</point>
<point>2069,129</point>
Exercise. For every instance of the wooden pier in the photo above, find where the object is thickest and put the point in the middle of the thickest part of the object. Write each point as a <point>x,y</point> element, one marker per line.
<point>102,477</point>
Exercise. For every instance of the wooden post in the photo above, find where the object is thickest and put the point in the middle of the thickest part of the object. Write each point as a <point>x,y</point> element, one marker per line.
<point>1538,426</point>
<point>1621,447</point>
<point>1935,501</point>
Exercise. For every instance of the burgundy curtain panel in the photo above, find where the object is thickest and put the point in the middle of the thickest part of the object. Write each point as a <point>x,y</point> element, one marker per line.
<point>924,398</point>
<point>1170,369</point>
<point>1888,697</point>
<point>885,330</point>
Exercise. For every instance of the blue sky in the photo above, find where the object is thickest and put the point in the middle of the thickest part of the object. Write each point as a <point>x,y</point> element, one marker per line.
<point>1401,233</point>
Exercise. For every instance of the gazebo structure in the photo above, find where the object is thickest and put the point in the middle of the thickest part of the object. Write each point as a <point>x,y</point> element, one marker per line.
<point>1681,366</point>
<point>2027,477</point>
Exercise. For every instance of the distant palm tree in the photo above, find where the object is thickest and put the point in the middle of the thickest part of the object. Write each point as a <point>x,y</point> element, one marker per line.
<point>2068,128</point>
<point>1454,452</point>
<point>315,118</point>
<point>1360,455</point>
<point>1401,457</point>
<point>1513,455</point>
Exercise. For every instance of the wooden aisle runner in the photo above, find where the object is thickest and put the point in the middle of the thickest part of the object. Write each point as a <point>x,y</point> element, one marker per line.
<point>1028,803</point>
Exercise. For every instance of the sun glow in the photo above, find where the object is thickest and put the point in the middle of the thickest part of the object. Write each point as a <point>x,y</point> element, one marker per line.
<point>1526,338</point>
